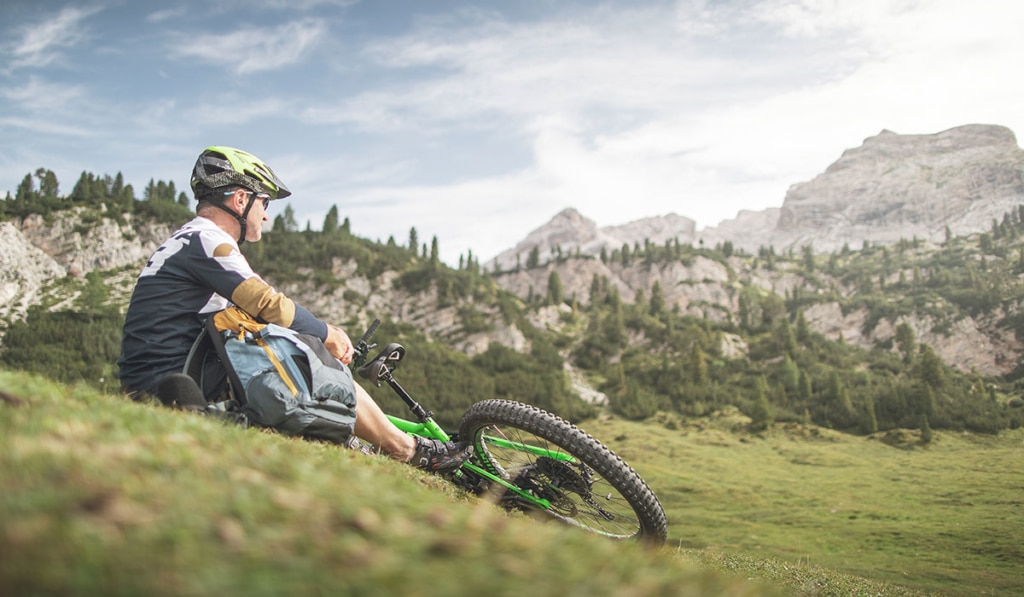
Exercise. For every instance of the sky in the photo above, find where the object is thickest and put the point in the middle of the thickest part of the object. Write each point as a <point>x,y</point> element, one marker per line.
<point>477,122</point>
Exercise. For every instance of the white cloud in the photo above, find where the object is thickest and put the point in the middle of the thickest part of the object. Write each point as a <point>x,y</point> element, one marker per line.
<point>167,14</point>
<point>288,5</point>
<point>41,43</point>
<point>253,49</point>
<point>550,67</point>
<point>242,110</point>
<point>45,126</point>
<point>40,96</point>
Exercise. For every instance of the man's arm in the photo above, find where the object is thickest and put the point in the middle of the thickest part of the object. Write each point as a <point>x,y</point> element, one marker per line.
<point>222,267</point>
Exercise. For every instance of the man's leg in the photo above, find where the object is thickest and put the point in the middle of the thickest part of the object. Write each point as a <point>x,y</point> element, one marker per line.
<point>373,426</point>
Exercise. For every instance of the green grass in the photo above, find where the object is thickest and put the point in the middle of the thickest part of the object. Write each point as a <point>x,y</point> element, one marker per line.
<point>104,496</point>
<point>946,517</point>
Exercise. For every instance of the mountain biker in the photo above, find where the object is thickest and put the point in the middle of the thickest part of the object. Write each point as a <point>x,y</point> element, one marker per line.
<point>199,271</point>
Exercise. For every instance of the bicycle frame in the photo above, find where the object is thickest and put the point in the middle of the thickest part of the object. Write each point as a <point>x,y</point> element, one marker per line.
<point>430,429</point>
<point>381,370</point>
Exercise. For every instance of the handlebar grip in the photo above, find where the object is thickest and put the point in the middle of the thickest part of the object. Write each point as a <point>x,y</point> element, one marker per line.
<point>370,331</point>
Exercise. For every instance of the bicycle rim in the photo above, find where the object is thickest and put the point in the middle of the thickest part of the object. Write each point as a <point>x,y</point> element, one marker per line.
<point>581,481</point>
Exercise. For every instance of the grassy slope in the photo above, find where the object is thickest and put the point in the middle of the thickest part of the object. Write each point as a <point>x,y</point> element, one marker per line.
<point>103,496</point>
<point>945,517</point>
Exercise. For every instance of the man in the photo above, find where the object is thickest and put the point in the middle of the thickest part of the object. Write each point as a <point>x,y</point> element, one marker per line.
<point>200,271</point>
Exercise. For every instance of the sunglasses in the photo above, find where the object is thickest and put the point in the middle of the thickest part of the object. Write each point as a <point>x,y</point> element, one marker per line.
<point>265,198</point>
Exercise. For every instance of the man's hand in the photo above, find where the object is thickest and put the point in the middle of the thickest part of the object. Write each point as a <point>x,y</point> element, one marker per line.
<point>339,344</point>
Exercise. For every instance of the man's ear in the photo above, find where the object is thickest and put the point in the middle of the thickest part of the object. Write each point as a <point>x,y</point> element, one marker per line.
<point>237,199</point>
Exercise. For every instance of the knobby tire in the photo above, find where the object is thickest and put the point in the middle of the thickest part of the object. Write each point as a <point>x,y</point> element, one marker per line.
<point>595,490</point>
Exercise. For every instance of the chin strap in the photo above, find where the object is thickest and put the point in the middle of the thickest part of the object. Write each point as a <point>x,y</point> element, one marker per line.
<point>241,218</point>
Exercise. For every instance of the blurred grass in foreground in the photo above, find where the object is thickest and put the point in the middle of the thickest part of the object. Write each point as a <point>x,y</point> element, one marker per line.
<point>104,496</point>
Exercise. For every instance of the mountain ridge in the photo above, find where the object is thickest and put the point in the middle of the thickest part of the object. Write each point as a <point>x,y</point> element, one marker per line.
<point>889,188</point>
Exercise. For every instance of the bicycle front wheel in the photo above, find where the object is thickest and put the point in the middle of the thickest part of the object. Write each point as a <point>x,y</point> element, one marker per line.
<point>561,471</point>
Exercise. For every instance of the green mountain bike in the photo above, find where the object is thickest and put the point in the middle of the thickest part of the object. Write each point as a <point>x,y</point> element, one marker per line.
<point>530,460</point>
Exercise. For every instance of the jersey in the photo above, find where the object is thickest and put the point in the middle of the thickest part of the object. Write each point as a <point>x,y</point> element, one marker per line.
<point>198,271</point>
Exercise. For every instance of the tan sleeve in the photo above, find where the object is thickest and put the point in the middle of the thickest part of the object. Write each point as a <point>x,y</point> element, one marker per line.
<point>259,299</point>
<point>223,250</point>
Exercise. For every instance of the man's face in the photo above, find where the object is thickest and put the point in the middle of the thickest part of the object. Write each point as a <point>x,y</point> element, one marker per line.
<point>257,215</point>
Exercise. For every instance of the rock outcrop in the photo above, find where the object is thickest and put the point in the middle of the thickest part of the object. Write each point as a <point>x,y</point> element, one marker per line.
<point>37,251</point>
<point>25,270</point>
<point>894,187</point>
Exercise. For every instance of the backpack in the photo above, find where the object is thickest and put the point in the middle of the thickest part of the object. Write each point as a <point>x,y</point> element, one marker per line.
<point>281,379</point>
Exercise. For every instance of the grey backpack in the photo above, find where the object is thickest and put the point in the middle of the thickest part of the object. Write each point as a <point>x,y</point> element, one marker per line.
<point>277,377</point>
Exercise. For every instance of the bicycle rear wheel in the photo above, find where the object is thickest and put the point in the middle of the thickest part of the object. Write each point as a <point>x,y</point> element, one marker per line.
<point>585,483</point>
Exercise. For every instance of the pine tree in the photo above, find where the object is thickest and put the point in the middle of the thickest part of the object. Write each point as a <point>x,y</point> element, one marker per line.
<point>290,224</point>
<point>930,369</point>
<point>48,186</point>
<point>698,366</point>
<point>435,252</point>
<point>25,194</point>
<point>595,289</point>
<point>805,390</point>
<point>533,259</point>
<point>870,417</point>
<point>789,375</point>
<point>657,305</point>
<point>785,338</point>
<point>331,220</point>
<point>838,406</point>
<point>761,415</point>
<point>554,288</point>
<point>926,430</point>
<point>808,253</point>
<point>414,241</point>
<point>905,342</point>
<point>803,331</point>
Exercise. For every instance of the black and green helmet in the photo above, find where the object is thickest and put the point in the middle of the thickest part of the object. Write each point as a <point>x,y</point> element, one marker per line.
<point>219,166</point>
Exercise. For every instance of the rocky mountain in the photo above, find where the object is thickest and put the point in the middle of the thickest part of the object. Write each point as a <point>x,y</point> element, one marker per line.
<point>24,270</point>
<point>892,187</point>
<point>40,251</point>
<point>570,231</point>
<point>899,187</point>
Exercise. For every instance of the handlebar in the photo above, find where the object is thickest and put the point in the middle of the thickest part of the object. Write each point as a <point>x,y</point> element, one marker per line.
<point>380,368</point>
<point>362,347</point>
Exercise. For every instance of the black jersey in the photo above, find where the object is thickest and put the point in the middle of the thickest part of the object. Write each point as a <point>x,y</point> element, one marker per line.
<point>196,272</point>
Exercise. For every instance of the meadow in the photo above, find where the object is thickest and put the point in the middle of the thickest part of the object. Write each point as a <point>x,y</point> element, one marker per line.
<point>105,496</point>
<point>946,516</point>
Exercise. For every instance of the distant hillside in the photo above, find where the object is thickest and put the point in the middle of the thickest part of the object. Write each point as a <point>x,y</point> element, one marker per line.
<point>900,191</point>
<point>916,334</point>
